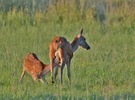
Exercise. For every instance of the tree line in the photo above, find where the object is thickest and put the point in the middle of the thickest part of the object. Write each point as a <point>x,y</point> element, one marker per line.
<point>69,10</point>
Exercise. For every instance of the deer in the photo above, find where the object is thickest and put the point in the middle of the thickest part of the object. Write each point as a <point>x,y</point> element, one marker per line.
<point>62,51</point>
<point>34,67</point>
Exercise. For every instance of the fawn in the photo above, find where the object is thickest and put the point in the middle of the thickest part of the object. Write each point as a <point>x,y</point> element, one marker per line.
<point>35,67</point>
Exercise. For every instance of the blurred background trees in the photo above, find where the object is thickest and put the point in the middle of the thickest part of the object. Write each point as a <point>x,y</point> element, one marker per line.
<point>64,11</point>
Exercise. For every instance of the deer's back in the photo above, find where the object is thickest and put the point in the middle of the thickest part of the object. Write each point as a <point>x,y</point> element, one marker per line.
<point>32,64</point>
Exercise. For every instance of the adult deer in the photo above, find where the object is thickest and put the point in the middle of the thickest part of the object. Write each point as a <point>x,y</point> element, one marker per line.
<point>62,50</point>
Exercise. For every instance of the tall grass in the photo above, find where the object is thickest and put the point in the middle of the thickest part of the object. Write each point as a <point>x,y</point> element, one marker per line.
<point>106,71</point>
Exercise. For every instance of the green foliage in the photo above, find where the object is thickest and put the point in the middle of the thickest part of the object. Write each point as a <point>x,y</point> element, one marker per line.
<point>106,71</point>
<point>63,11</point>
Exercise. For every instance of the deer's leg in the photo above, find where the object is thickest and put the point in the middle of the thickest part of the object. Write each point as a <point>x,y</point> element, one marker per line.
<point>68,71</point>
<point>61,73</point>
<point>56,73</point>
<point>22,75</point>
<point>51,55</point>
<point>62,61</point>
<point>52,81</point>
<point>35,78</point>
<point>42,79</point>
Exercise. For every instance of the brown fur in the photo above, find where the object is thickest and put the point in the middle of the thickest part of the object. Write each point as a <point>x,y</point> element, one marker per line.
<point>60,53</point>
<point>35,67</point>
<point>63,51</point>
<point>63,45</point>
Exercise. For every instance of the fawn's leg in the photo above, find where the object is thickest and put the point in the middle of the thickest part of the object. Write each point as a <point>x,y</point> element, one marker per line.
<point>34,76</point>
<point>51,56</point>
<point>42,79</point>
<point>22,75</point>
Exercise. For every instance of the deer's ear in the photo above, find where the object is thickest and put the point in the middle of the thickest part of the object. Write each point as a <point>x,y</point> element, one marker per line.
<point>80,34</point>
<point>81,31</point>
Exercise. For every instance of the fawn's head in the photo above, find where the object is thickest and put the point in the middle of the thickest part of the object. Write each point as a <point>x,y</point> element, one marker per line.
<point>82,41</point>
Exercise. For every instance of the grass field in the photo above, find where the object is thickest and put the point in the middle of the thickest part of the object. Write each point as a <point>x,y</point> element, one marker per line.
<point>106,71</point>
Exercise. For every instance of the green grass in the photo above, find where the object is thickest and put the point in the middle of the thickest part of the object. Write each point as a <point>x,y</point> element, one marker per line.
<point>106,71</point>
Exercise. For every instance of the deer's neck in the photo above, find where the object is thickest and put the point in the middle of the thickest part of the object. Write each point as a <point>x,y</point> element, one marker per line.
<point>75,44</point>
